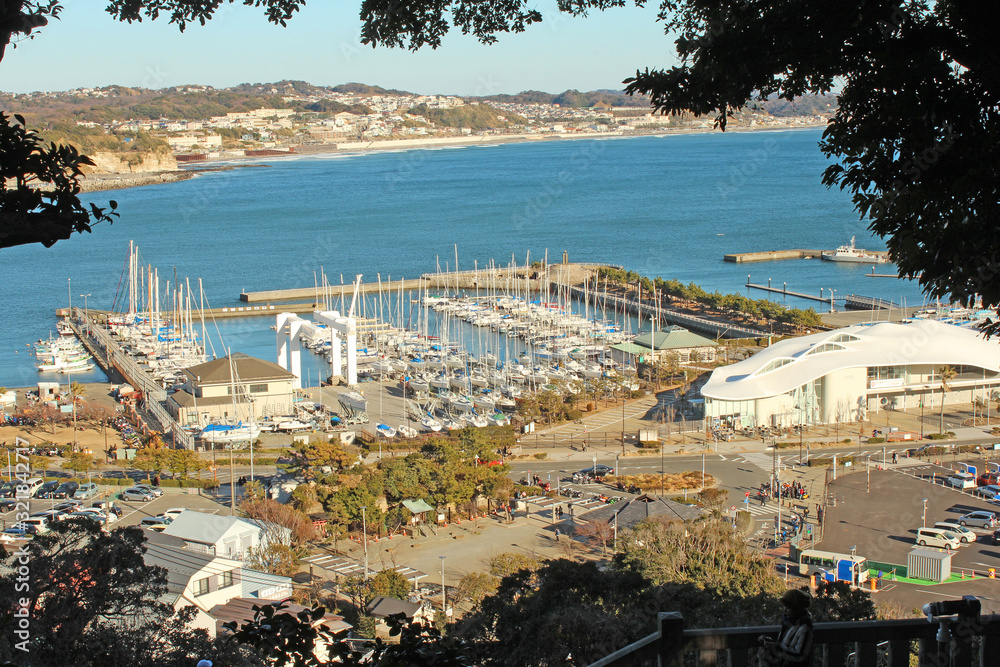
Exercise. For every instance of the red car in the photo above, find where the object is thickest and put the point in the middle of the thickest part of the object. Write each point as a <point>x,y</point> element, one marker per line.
<point>988,478</point>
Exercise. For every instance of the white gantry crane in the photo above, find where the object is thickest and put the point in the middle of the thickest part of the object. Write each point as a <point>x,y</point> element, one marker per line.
<point>290,327</point>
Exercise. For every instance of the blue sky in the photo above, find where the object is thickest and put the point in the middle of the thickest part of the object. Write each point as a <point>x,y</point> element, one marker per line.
<point>320,45</point>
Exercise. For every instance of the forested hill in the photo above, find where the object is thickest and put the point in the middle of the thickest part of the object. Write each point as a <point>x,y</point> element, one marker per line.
<point>572,98</point>
<point>471,116</point>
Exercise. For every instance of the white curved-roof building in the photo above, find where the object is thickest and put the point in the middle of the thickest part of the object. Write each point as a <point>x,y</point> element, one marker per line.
<point>841,375</point>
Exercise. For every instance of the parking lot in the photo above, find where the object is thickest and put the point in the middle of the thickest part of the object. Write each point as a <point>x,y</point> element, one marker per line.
<point>133,512</point>
<point>880,522</point>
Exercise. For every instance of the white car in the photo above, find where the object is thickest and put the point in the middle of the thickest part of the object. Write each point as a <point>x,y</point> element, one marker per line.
<point>961,480</point>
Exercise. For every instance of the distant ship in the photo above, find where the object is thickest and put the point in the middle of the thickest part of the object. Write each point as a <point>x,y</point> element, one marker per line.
<point>849,253</point>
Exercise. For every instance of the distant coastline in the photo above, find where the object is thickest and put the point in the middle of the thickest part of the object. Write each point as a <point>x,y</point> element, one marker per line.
<point>98,182</point>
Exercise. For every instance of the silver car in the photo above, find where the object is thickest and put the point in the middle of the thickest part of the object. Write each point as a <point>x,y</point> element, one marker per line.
<point>135,493</point>
<point>980,519</point>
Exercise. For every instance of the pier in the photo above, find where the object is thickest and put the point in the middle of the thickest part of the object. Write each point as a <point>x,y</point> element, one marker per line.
<point>112,358</point>
<point>771,255</point>
<point>470,279</point>
<point>787,292</point>
<point>702,325</point>
<point>858,302</point>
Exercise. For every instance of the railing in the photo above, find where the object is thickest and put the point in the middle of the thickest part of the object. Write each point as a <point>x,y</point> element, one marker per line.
<point>974,641</point>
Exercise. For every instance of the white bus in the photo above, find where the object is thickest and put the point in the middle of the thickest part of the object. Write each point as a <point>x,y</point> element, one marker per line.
<point>834,566</point>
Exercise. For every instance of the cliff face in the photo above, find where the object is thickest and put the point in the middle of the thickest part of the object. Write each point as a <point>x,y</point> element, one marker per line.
<point>131,163</point>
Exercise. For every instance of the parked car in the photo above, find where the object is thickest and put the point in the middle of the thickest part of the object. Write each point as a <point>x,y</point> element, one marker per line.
<point>108,507</point>
<point>14,535</point>
<point>937,537</point>
<point>964,534</point>
<point>95,514</point>
<point>961,480</point>
<point>52,516</point>
<point>157,528</point>
<point>600,469</point>
<point>35,524</point>
<point>136,493</point>
<point>174,512</point>
<point>65,490</point>
<point>8,504</point>
<point>155,491</point>
<point>8,489</point>
<point>989,492</point>
<point>995,537</point>
<point>46,489</point>
<point>156,521</point>
<point>68,506</point>
<point>88,490</point>
<point>987,478</point>
<point>980,519</point>
<point>33,485</point>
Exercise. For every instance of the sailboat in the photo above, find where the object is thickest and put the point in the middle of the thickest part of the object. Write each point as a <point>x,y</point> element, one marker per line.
<point>222,433</point>
<point>385,430</point>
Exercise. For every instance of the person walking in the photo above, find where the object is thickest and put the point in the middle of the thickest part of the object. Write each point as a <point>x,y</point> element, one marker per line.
<point>793,644</point>
<point>557,534</point>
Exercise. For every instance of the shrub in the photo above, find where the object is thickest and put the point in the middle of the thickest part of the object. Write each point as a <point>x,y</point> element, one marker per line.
<point>847,441</point>
<point>873,441</point>
<point>573,415</point>
<point>541,455</point>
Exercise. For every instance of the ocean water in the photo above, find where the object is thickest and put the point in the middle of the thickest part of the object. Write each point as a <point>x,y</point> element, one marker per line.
<point>668,206</point>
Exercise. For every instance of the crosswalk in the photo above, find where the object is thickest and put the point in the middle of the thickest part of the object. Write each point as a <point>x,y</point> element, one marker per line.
<point>767,462</point>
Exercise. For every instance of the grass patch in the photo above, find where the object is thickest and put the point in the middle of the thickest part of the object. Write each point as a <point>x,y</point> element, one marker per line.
<point>671,482</point>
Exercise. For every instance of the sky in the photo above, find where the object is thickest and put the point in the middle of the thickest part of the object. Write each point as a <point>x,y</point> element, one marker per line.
<point>321,45</point>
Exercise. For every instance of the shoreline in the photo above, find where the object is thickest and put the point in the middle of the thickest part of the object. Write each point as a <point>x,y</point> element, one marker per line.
<point>99,182</point>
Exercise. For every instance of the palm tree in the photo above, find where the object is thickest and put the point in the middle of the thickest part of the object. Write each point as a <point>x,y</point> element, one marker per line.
<point>947,373</point>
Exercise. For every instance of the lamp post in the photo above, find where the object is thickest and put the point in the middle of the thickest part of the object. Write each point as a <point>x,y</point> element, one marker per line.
<point>923,521</point>
<point>444,605</point>
<point>86,311</point>
<point>364,537</point>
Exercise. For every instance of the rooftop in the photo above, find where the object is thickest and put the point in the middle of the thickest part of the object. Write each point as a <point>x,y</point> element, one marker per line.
<point>248,369</point>
<point>792,363</point>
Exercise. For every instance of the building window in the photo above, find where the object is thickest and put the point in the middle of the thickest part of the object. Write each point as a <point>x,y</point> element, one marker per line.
<point>258,388</point>
<point>226,579</point>
<point>201,586</point>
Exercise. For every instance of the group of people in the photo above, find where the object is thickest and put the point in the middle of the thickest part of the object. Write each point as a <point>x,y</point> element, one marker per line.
<point>785,491</point>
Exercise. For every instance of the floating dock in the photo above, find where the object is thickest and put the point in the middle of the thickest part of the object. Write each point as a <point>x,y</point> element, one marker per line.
<point>771,255</point>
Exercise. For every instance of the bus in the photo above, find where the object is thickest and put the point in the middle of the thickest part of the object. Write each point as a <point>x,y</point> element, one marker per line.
<point>834,566</point>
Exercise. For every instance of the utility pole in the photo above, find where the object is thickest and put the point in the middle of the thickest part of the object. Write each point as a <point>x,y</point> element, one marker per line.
<point>364,531</point>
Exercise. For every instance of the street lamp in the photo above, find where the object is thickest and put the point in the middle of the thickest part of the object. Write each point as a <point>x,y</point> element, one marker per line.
<point>444,604</point>
<point>923,521</point>
<point>86,311</point>
<point>364,532</point>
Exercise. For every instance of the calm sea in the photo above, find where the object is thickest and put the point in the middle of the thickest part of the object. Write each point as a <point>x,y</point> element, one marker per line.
<point>667,206</point>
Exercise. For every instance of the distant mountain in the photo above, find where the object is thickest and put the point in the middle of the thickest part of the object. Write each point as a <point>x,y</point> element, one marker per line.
<point>572,98</point>
<point>806,105</point>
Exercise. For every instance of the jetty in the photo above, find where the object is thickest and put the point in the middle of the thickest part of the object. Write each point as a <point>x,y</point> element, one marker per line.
<point>113,359</point>
<point>859,302</point>
<point>535,276</point>
<point>771,255</point>
<point>787,292</point>
<point>703,325</point>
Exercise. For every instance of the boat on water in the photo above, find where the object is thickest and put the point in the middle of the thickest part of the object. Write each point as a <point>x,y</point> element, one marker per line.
<point>60,364</point>
<point>219,432</point>
<point>853,254</point>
